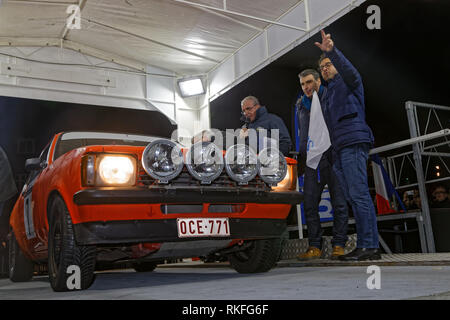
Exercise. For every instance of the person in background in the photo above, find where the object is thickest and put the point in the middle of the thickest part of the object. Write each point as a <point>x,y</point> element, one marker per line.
<point>440,197</point>
<point>257,117</point>
<point>408,199</point>
<point>8,190</point>
<point>7,184</point>
<point>416,199</point>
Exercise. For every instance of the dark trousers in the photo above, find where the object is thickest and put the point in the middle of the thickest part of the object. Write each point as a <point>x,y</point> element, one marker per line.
<point>351,169</point>
<point>314,183</point>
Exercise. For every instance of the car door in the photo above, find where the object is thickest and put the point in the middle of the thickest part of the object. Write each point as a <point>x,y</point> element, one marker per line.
<point>33,205</point>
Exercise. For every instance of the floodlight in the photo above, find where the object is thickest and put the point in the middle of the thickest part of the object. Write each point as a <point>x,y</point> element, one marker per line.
<point>191,87</point>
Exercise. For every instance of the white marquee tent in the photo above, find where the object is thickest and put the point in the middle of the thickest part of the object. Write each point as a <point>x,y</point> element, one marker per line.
<point>131,53</point>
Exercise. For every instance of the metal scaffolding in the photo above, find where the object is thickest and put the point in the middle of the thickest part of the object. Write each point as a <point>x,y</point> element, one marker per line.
<point>426,145</point>
<point>420,149</point>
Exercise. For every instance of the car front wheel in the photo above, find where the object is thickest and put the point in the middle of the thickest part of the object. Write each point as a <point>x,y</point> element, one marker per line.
<point>259,256</point>
<point>70,266</point>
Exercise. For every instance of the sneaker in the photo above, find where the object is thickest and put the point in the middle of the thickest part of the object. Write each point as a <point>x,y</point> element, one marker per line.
<point>362,254</point>
<point>337,251</point>
<point>310,254</point>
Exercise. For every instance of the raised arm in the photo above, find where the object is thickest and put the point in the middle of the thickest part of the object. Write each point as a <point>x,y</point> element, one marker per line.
<point>348,72</point>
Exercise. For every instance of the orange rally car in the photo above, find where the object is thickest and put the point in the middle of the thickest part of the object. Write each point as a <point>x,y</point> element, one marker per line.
<point>94,196</point>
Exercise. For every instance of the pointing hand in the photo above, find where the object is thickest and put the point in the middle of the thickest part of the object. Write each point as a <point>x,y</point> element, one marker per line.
<point>327,44</point>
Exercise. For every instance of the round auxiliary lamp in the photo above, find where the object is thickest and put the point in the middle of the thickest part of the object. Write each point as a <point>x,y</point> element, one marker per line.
<point>241,163</point>
<point>162,159</point>
<point>204,161</point>
<point>273,166</point>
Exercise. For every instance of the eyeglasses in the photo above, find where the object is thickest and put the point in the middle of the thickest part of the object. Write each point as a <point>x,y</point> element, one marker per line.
<point>248,109</point>
<point>326,65</point>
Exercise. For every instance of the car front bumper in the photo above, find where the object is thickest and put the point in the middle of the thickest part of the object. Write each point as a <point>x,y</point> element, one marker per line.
<point>183,195</point>
<point>165,230</point>
<point>265,216</point>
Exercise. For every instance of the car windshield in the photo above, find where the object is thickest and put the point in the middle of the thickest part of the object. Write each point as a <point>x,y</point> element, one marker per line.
<point>72,140</point>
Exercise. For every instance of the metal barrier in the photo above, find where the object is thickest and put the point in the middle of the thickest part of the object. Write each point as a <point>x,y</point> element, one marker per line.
<point>418,140</point>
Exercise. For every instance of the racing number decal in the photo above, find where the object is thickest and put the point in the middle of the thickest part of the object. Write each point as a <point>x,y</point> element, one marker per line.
<point>28,216</point>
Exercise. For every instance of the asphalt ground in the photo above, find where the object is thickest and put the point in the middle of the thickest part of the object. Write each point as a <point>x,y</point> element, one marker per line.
<point>290,280</point>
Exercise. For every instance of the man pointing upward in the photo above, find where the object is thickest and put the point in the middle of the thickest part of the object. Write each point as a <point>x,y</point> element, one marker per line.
<point>351,140</point>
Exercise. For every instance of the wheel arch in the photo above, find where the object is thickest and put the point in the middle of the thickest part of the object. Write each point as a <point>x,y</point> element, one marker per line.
<point>51,197</point>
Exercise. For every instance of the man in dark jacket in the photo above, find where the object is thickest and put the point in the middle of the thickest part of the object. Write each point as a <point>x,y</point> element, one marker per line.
<point>351,139</point>
<point>440,197</point>
<point>316,179</point>
<point>7,184</point>
<point>8,191</point>
<point>258,118</point>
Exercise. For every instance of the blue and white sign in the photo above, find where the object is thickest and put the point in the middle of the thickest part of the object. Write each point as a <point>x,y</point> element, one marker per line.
<point>325,207</point>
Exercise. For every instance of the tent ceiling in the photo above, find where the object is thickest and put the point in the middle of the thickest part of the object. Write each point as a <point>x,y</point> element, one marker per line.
<point>177,36</point>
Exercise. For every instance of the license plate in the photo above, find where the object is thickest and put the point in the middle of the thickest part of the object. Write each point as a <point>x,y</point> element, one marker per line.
<point>203,227</point>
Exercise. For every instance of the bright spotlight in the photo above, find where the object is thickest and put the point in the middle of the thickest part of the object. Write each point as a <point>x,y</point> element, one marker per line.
<point>191,87</point>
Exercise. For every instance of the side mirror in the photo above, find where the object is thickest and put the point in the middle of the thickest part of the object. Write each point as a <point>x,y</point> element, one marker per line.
<point>32,164</point>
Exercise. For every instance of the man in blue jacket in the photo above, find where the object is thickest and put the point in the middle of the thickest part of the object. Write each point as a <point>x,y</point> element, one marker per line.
<point>316,179</point>
<point>351,139</point>
<point>258,118</point>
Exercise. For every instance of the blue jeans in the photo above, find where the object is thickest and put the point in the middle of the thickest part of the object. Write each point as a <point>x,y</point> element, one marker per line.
<point>313,188</point>
<point>350,166</point>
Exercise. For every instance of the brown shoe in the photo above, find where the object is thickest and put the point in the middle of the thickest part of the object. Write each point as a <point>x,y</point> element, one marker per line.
<point>337,251</point>
<point>310,254</point>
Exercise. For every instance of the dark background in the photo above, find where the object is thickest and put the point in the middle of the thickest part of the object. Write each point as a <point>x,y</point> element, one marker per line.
<point>408,59</point>
<point>27,125</point>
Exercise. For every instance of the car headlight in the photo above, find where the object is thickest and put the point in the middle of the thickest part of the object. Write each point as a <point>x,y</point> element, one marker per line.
<point>108,170</point>
<point>241,163</point>
<point>273,166</point>
<point>163,160</point>
<point>289,183</point>
<point>117,170</point>
<point>204,161</point>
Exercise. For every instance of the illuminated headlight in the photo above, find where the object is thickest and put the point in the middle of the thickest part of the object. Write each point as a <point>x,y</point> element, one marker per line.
<point>204,161</point>
<point>289,183</point>
<point>241,163</point>
<point>103,169</point>
<point>163,160</point>
<point>273,166</point>
<point>117,170</point>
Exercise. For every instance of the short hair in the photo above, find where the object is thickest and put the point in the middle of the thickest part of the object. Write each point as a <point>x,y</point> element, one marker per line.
<point>252,98</point>
<point>307,72</point>
<point>322,57</point>
<point>442,187</point>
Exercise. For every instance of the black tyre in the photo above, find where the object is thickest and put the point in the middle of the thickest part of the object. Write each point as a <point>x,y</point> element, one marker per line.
<point>260,256</point>
<point>20,267</point>
<point>64,252</point>
<point>144,266</point>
